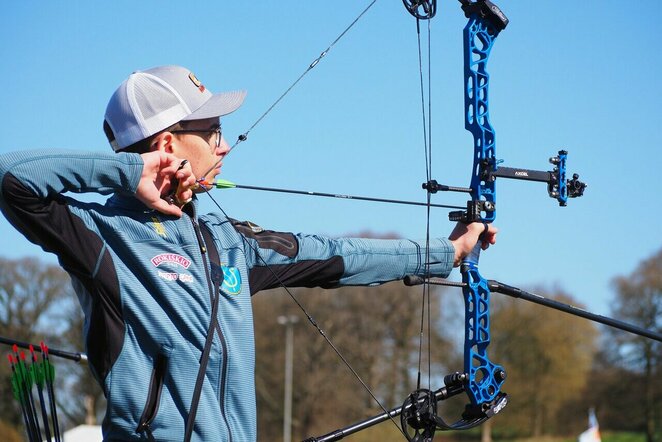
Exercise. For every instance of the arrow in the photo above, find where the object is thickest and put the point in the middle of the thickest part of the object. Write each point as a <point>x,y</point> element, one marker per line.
<point>17,388</point>
<point>49,377</point>
<point>225,184</point>
<point>37,372</point>
<point>81,358</point>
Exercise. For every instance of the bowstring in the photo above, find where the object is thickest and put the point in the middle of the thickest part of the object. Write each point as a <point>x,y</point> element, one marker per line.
<point>427,145</point>
<point>244,136</point>
<point>427,138</point>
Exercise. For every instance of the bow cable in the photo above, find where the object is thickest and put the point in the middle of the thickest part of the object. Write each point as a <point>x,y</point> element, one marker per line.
<point>428,160</point>
<point>309,317</point>
<point>244,136</point>
<point>427,147</point>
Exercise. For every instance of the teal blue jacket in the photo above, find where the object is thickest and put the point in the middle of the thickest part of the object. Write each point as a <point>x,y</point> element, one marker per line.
<point>145,284</point>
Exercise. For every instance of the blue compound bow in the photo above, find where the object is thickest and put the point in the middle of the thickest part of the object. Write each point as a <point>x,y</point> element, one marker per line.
<point>481,379</point>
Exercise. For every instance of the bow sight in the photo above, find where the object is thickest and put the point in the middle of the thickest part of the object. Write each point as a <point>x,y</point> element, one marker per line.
<point>558,186</point>
<point>480,378</point>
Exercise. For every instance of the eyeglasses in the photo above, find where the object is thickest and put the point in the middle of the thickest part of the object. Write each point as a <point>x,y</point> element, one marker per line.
<point>216,129</point>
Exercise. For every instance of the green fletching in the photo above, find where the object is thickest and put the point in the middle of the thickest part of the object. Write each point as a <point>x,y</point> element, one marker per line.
<point>22,372</point>
<point>224,184</point>
<point>16,388</point>
<point>37,370</point>
<point>49,372</point>
<point>27,374</point>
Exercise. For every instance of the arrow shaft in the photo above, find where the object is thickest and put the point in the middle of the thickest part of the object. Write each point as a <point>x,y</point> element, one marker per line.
<point>76,357</point>
<point>346,197</point>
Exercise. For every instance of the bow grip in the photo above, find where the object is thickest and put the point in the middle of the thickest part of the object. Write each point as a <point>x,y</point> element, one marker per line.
<point>471,260</point>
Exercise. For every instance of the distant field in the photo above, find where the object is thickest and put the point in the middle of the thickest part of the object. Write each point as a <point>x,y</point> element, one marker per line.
<point>386,434</point>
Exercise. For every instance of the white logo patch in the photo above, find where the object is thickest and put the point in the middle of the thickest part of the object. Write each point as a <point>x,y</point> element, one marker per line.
<point>171,258</point>
<point>168,276</point>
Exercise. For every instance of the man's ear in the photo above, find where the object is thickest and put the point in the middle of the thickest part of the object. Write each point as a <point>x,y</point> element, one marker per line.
<point>163,142</point>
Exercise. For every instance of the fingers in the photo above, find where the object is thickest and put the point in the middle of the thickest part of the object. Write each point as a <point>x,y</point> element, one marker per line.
<point>185,182</point>
<point>464,238</point>
<point>489,235</point>
<point>166,183</point>
<point>181,183</point>
<point>167,208</point>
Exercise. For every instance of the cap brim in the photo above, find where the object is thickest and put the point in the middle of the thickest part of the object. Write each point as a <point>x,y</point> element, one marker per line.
<point>219,105</point>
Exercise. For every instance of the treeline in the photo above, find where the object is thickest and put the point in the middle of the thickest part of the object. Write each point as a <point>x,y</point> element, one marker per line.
<point>558,366</point>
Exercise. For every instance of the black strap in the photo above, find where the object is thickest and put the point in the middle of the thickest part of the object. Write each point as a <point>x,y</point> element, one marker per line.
<point>214,259</point>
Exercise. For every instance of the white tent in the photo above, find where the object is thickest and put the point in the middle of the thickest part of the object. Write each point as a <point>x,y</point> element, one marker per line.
<point>83,433</point>
<point>593,432</point>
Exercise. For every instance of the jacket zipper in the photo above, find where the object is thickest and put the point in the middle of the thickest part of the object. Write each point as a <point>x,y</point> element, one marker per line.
<point>210,285</point>
<point>153,396</point>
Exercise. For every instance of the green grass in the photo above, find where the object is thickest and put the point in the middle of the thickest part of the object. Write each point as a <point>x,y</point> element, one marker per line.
<point>623,437</point>
<point>388,434</point>
<point>606,437</point>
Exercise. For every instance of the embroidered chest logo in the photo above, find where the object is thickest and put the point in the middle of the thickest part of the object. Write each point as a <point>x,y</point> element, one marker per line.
<point>158,227</point>
<point>171,258</point>
<point>177,260</point>
<point>231,280</point>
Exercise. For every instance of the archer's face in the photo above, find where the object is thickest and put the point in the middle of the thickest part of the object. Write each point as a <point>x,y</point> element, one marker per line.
<point>202,144</point>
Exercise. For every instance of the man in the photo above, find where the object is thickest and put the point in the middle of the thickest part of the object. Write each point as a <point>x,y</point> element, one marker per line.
<point>166,291</point>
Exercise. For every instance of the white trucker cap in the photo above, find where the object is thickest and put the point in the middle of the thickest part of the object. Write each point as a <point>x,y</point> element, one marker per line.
<point>149,101</point>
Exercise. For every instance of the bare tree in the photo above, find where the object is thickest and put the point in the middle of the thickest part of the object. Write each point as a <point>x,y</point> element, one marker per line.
<point>38,304</point>
<point>31,294</point>
<point>376,328</point>
<point>547,355</point>
<point>639,300</point>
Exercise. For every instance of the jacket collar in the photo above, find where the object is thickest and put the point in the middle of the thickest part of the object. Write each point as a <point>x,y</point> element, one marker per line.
<point>132,204</point>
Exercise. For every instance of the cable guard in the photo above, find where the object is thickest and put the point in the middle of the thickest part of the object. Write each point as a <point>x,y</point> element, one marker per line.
<point>419,418</point>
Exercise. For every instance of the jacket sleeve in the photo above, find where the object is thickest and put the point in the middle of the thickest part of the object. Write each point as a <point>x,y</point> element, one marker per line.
<point>311,260</point>
<point>32,184</point>
<point>31,197</point>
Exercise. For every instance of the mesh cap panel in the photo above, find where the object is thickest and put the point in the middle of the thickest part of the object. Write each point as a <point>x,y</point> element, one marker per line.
<point>150,101</point>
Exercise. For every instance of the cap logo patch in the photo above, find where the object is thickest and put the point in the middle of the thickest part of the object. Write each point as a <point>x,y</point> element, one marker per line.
<point>196,82</point>
<point>171,258</point>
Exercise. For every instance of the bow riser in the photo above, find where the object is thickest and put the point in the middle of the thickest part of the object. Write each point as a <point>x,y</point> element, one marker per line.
<point>479,37</point>
<point>485,377</point>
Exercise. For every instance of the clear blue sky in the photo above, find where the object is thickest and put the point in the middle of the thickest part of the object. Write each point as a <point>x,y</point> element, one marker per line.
<point>565,74</point>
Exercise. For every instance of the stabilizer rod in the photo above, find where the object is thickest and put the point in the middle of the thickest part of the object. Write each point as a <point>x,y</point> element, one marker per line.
<point>499,287</point>
<point>440,394</point>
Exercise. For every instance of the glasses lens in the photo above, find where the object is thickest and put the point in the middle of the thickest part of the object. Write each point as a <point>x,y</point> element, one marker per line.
<point>219,133</point>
